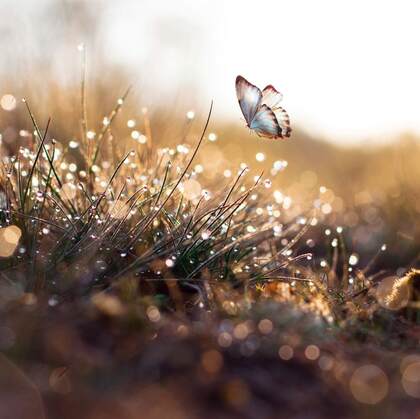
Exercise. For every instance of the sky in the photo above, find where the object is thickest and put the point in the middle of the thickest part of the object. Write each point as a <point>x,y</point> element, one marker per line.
<point>349,70</point>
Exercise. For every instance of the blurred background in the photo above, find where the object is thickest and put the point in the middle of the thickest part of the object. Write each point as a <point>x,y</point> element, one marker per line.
<point>348,71</point>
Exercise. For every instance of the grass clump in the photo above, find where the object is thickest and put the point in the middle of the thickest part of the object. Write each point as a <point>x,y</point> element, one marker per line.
<point>211,296</point>
<point>91,212</point>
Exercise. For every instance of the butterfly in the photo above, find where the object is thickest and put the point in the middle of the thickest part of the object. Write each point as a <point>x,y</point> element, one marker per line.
<point>261,109</point>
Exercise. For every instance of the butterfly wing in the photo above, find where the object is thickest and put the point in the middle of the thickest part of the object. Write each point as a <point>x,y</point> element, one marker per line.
<point>271,97</point>
<point>261,109</point>
<point>265,123</point>
<point>249,97</point>
<point>283,121</point>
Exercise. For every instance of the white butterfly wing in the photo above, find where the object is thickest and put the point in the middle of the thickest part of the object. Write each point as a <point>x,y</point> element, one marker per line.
<point>265,123</point>
<point>249,97</point>
<point>283,121</point>
<point>271,97</point>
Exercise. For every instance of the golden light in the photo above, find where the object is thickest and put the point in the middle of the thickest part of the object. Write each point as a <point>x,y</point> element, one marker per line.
<point>326,362</point>
<point>169,263</point>
<point>69,189</point>
<point>326,208</point>
<point>142,139</point>
<point>8,102</point>
<point>73,167</point>
<point>312,352</point>
<point>153,313</point>
<point>212,136</point>
<point>278,196</point>
<point>393,293</point>
<point>108,304</point>
<point>135,135</point>
<point>265,326</point>
<point>90,135</point>
<point>260,157</point>
<point>353,259</point>
<point>280,164</point>
<point>286,352</point>
<point>191,189</point>
<point>198,168</point>
<point>119,209</point>
<point>241,331</point>
<point>214,161</point>
<point>411,379</point>
<point>9,240</point>
<point>369,384</point>
<point>224,339</point>
<point>407,360</point>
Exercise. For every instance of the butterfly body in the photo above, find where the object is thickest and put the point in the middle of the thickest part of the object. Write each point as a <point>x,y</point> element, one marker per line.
<point>261,109</point>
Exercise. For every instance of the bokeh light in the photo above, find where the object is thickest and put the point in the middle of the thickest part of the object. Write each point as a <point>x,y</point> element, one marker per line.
<point>393,293</point>
<point>191,189</point>
<point>8,102</point>
<point>369,384</point>
<point>286,352</point>
<point>9,240</point>
<point>411,379</point>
